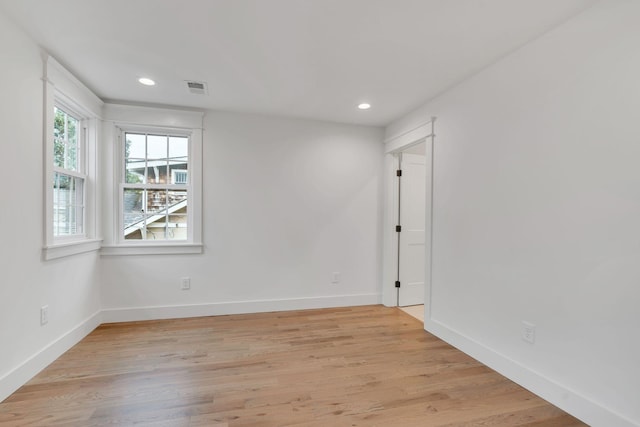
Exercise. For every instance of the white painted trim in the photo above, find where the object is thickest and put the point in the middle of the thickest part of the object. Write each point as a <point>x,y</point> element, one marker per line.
<point>393,146</point>
<point>17,377</point>
<point>564,398</point>
<point>71,87</point>
<point>70,248</point>
<point>63,89</point>
<point>157,119</point>
<point>136,115</point>
<point>152,249</point>
<point>234,307</point>
<point>409,138</point>
<point>404,132</point>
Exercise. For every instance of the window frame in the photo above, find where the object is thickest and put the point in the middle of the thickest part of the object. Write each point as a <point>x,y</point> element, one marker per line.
<point>122,185</point>
<point>147,119</point>
<point>64,91</point>
<point>81,167</point>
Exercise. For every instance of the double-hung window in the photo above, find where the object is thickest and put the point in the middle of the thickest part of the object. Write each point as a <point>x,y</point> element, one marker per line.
<point>155,188</point>
<point>155,178</point>
<point>69,177</point>
<point>71,123</point>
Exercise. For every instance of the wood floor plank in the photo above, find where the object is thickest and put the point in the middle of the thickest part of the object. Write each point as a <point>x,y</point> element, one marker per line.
<point>353,366</point>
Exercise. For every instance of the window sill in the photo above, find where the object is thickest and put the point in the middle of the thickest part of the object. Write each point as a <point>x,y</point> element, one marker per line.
<point>145,249</point>
<point>61,250</point>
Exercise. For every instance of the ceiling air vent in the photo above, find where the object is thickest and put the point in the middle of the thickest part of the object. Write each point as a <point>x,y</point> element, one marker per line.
<point>198,88</point>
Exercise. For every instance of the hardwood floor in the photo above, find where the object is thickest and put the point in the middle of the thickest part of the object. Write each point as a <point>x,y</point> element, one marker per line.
<point>416,311</point>
<point>357,366</point>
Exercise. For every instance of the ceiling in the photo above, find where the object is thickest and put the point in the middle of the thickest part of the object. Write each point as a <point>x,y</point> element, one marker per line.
<point>313,59</point>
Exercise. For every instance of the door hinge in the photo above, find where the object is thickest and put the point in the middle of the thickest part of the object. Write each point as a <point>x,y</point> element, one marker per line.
<point>399,172</point>
<point>398,228</point>
<point>397,283</point>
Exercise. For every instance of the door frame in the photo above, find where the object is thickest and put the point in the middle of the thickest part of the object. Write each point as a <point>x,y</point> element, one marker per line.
<point>392,147</point>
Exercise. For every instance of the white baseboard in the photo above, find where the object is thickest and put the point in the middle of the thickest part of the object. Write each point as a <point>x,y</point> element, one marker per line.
<point>564,398</point>
<point>234,307</point>
<point>17,377</point>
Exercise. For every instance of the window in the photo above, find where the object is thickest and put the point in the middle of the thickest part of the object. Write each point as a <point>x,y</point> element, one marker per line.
<point>179,176</point>
<point>71,114</point>
<point>155,191</point>
<point>69,177</point>
<point>153,181</point>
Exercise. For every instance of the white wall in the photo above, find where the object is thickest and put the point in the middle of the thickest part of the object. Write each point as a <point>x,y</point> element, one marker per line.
<point>68,285</point>
<point>537,214</point>
<point>286,203</point>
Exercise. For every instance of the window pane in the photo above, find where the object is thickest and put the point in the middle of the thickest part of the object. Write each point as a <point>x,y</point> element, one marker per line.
<point>178,159</point>
<point>71,189</point>
<point>65,140</point>
<point>133,213</point>
<point>178,147</point>
<point>156,201</point>
<point>79,205</point>
<point>177,198</point>
<point>157,227</point>
<point>135,145</point>
<point>68,207</point>
<point>157,159</point>
<point>134,158</point>
<point>177,223</point>
<point>135,171</point>
<point>72,144</point>
<point>156,147</point>
<point>56,204</point>
<point>177,227</point>
<point>59,121</point>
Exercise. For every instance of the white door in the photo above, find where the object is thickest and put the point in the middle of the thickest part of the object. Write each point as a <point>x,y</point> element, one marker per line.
<point>412,256</point>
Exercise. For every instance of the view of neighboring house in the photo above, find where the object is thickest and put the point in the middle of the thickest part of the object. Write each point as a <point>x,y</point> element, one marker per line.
<point>155,195</point>
<point>163,218</point>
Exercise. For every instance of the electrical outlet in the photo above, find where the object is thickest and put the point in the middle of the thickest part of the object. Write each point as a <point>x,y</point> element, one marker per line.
<point>185,283</point>
<point>44,315</point>
<point>335,277</point>
<point>528,332</point>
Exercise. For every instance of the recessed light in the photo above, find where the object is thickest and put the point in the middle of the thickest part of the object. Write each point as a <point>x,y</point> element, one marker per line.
<point>146,81</point>
<point>364,106</point>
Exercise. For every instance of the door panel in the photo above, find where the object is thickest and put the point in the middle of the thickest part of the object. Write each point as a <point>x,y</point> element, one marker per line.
<point>412,237</point>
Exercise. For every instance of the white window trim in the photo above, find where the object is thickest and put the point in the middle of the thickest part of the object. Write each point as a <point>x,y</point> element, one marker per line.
<point>128,118</point>
<point>82,160</point>
<point>62,89</point>
<point>155,249</point>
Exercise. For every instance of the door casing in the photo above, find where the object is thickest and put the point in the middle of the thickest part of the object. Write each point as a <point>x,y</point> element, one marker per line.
<point>393,146</point>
